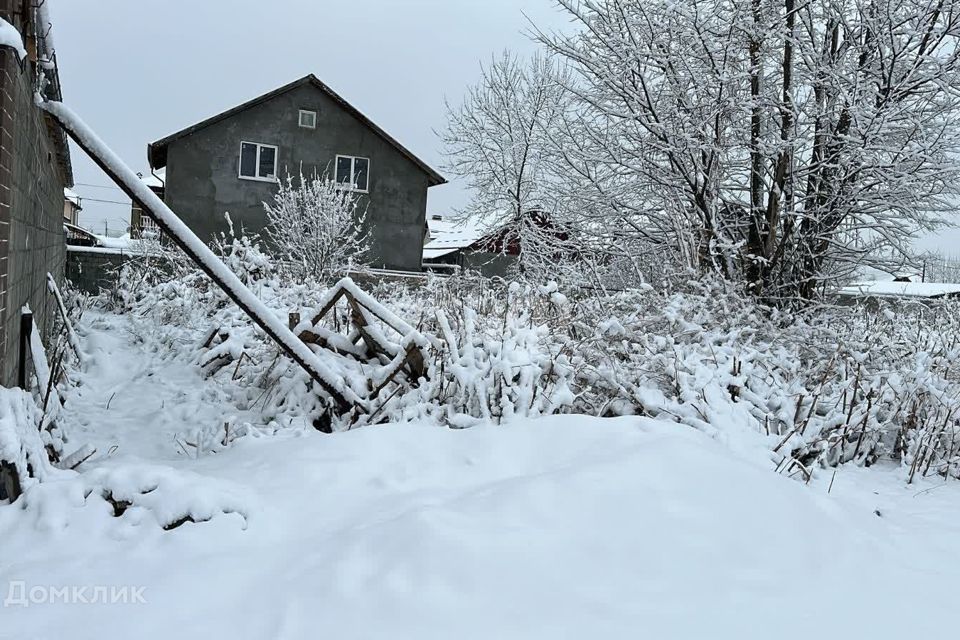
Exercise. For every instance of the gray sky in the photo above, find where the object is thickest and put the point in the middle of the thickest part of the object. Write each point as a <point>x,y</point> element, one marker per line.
<point>137,70</point>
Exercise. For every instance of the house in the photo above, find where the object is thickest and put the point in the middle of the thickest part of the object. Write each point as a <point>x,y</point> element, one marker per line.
<point>457,245</point>
<point>491,247</point>
<point>143,226</point>
<point>34,170</point>
<point>71,206</point>
<point>232,161</point>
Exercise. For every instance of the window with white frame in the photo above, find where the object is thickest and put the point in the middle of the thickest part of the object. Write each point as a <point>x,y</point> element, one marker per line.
<point>308,119</point>
<point>353,173</point>
<point>258,161</point>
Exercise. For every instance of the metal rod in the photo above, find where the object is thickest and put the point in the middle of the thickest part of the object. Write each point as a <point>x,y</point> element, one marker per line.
<point>342,403</point>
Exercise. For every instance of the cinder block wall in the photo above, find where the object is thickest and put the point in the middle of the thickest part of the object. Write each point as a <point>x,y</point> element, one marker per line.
<point>31,208</point>
<point>91,271</point>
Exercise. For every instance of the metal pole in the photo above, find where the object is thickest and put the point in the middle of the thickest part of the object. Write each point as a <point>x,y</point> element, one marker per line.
<point>338,396</point>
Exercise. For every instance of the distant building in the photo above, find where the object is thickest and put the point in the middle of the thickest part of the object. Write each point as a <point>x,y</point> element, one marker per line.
<point>898,290</point>
<point>142,225</point>
<point>491,247</point>
<point>233,161</point>
<point>71,206</point>
<point>458,245</point>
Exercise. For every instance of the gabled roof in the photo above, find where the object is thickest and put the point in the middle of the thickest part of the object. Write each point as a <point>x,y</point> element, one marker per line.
<point>157,151</point>
<point>72,197</point>
<point>449,234</point>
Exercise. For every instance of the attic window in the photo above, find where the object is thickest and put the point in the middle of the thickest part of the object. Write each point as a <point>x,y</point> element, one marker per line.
<point>353,173</point>
<point>258,161</point>
<point>308,119</point>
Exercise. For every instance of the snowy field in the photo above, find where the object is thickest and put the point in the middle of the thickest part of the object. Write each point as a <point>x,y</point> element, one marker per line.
<point>560,527</point>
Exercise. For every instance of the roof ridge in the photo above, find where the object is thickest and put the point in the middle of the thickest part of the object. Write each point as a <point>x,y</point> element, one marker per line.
<point>157,151</point>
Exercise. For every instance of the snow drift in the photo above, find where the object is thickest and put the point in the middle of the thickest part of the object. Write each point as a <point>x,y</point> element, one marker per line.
<point>559,527</point>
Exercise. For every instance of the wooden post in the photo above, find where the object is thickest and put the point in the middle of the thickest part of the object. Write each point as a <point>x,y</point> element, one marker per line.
<point>9,482</point>
<point>68,326</point>
<point>26,329</point>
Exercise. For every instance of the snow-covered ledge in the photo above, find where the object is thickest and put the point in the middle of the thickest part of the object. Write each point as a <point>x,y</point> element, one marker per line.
<point>10,37</point>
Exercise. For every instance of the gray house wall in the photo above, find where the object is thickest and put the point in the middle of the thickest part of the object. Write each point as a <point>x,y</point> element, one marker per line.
<point>32,177</point>
<point>203,167</point>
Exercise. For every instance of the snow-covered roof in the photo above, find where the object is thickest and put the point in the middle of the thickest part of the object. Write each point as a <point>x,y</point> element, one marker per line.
<point>892,289</point>
<point>449,234</point>
<point>71,196</point>
<point>157,151</point>
<point>432,253</point>
<point>153,181</point>
<point>10,37</point>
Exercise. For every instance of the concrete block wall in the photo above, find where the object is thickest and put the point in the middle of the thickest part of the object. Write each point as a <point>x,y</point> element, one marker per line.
<point>31,211</point>
<point>91,271</point>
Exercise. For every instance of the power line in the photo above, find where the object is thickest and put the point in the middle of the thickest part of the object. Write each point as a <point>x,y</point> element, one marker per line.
<point>82,200</point>
<point>96,186</point>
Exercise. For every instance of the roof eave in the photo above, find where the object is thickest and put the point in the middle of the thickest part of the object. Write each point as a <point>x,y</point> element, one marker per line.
<point>157,154</point>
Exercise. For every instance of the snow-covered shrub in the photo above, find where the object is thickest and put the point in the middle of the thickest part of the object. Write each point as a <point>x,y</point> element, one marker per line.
<point>826,387</point>
<point>502,355</point>
<point>317,226</point>
<point>125,497</point>
<point>22,444</point>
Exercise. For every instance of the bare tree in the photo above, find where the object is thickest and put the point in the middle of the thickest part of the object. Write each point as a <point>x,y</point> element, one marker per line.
<point>316,225</point>
<point>780,143</point>
<point>497,140</point>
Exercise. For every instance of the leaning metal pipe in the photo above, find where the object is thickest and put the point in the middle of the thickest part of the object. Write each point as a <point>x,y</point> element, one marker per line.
<point>342,395</point>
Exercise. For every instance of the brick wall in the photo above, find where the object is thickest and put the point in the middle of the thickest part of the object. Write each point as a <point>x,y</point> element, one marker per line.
<point>31,209</point>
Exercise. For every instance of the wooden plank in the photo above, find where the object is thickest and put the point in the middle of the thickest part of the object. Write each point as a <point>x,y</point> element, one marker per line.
<point>361,320</point>
<point>71,335</point>
<point>326,308</point>
<point>312,337</point>
<point>391,376</point>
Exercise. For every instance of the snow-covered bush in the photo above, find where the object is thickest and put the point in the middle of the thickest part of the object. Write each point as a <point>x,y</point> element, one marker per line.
<point>317,226</point>
<point>23,440</point>
<point>831,386</point>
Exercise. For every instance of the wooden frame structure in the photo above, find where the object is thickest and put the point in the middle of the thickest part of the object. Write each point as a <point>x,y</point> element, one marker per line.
<point>408,357</point>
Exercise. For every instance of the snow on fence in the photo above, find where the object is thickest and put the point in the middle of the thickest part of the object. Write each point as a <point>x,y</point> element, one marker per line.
<point>368,357</point>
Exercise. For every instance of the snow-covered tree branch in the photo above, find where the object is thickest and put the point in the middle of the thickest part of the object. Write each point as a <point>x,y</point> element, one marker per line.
<point>317,226</point>
<point>779,143</point>
<point>497,140</point>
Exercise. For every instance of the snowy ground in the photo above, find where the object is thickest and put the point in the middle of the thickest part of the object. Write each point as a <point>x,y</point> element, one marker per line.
<point>565,527</point>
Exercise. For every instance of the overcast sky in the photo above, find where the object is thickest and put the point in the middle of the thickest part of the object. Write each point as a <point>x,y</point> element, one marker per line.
<point>137,70</point>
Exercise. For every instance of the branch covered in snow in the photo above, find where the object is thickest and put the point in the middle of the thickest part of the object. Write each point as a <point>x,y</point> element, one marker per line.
<point>315,224</point>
